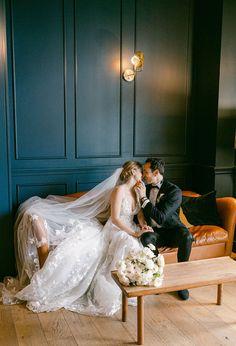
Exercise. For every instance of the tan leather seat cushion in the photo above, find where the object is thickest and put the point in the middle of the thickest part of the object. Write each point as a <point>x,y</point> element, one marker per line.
<point>207,234</point>
<point>203,235</point>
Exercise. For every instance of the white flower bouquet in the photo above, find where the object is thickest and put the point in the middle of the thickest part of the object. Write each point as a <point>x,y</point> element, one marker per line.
<point>141,268</point>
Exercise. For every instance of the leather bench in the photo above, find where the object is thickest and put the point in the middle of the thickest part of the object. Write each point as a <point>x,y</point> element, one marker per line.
<point>210,240</point>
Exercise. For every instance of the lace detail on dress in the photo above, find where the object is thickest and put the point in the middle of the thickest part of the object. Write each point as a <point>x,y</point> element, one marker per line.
<point>126,212</point>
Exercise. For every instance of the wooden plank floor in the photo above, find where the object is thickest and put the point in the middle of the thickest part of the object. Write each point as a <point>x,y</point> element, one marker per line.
<point>168,321</point>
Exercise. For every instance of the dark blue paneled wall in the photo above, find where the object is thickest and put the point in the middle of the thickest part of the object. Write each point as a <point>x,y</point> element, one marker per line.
<point>71,111</point>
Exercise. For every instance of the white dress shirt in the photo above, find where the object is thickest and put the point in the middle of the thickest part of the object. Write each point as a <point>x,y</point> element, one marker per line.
<point>153,199</point>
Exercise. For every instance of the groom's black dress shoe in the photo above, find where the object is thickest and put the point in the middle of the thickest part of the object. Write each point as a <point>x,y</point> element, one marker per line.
<point>183,294</point>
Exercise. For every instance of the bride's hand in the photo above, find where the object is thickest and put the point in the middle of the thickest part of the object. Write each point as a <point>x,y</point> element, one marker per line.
<point>139,233</point>
<point>149,228</point>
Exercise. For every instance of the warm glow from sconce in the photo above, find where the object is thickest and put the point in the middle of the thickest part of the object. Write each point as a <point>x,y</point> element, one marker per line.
<point>115,65</point>
<point>2,44</point>
<point>138,62</point>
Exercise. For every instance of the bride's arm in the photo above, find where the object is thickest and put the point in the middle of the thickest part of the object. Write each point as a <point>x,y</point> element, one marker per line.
<point>141,220</point>
<point>116,199</point>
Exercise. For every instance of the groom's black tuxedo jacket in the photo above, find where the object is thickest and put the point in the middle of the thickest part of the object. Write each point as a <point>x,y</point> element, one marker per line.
<point>166,210</point>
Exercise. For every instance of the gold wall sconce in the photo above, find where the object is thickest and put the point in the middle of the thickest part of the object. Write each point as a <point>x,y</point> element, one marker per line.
<point>138,63</point>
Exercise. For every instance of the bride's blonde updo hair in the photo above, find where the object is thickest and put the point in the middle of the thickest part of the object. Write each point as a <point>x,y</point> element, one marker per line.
<point>127,170</point>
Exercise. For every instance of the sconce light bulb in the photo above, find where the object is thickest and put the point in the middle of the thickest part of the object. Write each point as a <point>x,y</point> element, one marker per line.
<point>135,59</point>
<point>138,60</point>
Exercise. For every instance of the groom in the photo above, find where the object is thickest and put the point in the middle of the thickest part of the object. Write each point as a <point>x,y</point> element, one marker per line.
<point>160,201</point>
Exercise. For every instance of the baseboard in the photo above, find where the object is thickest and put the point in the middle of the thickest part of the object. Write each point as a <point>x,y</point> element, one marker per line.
<point>233,255</point>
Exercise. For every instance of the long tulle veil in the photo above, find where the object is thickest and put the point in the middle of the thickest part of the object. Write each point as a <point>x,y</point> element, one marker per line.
<point>61,216</point>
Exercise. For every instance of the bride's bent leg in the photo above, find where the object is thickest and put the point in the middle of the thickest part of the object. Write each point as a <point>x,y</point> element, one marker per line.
<point>41,238</point>
<point>42,254</point>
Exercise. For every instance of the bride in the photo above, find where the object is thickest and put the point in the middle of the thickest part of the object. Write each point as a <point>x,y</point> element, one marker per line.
<point>76,274</point>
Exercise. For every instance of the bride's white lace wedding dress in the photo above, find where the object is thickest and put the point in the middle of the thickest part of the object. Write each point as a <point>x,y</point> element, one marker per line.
<point>77,273</point>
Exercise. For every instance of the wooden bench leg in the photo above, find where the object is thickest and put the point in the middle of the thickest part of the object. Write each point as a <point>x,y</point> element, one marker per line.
<point>219,294</point>
<point>140,320</point>
<point>124,307</point>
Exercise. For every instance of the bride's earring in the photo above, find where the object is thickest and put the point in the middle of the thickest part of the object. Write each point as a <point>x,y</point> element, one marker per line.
<point>135,175</point>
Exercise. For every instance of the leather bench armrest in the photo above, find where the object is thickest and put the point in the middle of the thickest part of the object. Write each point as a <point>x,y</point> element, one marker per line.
<point>226,207</point>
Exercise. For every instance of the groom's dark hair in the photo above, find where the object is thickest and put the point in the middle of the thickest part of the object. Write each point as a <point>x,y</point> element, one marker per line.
<point>156,163</point>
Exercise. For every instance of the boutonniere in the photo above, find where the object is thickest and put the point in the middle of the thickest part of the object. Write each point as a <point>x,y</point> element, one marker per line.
<point>160,196</point>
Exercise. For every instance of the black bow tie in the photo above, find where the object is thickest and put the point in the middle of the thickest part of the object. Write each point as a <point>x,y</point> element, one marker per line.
<point>154,187</point>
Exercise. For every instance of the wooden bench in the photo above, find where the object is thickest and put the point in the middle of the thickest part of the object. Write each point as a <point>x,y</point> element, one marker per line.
<point>179,276</point>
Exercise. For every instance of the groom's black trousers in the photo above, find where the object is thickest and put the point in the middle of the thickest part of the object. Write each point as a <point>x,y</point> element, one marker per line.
<point>178,237</point>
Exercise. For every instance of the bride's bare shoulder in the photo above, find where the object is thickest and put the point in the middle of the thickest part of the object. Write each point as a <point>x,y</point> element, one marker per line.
<point>118,194</point>
<point>119,190</point>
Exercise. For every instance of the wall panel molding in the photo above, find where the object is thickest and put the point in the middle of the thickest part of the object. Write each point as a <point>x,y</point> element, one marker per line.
<point>42,182</point>
<point>160,116</point>
<point>39,81</point>
<point>97,170</point>
<point>25,191</point>
<point>224,181</point>
<point>98,88</point>
<point>224,170</point>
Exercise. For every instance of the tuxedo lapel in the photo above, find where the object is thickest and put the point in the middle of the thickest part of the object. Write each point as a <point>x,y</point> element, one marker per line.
<point>161,191</point>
